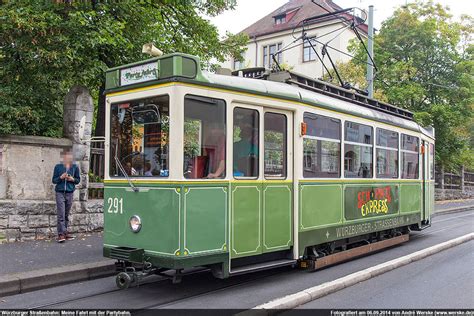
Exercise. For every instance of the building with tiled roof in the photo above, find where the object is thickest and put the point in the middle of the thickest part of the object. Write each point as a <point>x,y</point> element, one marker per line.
<point>284,25</point>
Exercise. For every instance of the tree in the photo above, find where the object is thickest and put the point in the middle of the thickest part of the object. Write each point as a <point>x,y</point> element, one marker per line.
<point>48,46</point>
<point>426,65</point>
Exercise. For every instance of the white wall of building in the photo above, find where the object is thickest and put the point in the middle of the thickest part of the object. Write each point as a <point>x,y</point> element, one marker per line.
<point>294,57</point>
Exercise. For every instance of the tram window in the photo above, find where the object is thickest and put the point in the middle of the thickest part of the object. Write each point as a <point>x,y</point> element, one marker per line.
<point>204,138</point>
<point>410,157</point>
<point>140,138</point>
<point>358,143</point>
<point>275,144</point>
<point>387,154</point>
<point>432,166</point>
<point>321,147</point>
<point>246,143</point>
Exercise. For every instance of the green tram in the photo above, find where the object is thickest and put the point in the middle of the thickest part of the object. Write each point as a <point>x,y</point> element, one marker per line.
<point>252,170</point>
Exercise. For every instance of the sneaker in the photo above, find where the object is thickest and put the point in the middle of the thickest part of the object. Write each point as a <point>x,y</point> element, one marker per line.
<point>61,238</point>
<point>70,237</point>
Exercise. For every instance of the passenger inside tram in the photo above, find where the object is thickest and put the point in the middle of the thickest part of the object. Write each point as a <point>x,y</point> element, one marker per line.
<point>214,150</point>
<point>246,151</point>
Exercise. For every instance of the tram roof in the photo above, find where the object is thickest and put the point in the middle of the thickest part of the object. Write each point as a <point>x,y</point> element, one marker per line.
<point>180,67</point>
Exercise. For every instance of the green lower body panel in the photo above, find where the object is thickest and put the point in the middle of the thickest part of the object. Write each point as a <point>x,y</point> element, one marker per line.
<point>277,217</point>
<point>331,211</point>
<point>261,218</point>
<point>182,225</point>
<point>328,234</point>
<point>411,198</point>
<point>246,220</point>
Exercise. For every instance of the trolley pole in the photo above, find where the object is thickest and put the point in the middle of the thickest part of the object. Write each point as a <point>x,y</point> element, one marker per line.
<point>370,48</point>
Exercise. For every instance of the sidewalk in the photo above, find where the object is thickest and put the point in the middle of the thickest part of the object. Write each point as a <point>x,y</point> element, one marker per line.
<point>52,263</point>
<point>33,265</point>
<point>26,256</point>
<point>444,206</point>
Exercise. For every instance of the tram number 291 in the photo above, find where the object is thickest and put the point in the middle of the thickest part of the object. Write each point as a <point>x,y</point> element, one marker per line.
<point>115,205</point>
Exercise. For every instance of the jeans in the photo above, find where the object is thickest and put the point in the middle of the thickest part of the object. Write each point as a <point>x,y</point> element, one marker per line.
<point>63,204</point>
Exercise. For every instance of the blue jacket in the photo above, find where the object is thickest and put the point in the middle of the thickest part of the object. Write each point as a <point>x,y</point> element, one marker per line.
<point>62,185</point>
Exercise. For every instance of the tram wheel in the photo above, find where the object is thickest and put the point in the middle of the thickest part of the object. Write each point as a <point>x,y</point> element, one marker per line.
<point>123,280</point>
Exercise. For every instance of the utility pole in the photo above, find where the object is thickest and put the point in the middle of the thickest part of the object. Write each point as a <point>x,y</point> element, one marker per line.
<point>370,48</point>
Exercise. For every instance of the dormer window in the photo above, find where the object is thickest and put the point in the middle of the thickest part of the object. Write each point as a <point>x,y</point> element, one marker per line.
<point>280,19</point>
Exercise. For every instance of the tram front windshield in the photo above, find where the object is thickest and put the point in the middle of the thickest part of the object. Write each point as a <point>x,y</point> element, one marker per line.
<point>139,138</point>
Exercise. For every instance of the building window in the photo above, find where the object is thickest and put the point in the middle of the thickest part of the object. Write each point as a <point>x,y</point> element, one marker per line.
<point>410,160</point>
<point>387,154</point>
<point>237,64</point>
<point>274,143</point>
<point>358,143</point>
<point>280,19</point>
<point>246,143</point>
<point>321,147</point>
<point>204,138</point>
<point>308,53</point>
<point>270,50</point>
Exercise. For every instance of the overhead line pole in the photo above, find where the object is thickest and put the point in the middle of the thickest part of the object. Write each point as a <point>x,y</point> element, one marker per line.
<point>370,57</point>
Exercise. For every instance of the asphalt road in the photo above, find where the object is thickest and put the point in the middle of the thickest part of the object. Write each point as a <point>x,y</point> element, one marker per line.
<point>201,290</point>
<point>444,280</point>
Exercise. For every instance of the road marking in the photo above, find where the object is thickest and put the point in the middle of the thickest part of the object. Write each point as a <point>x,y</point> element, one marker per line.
<point>313,293</point>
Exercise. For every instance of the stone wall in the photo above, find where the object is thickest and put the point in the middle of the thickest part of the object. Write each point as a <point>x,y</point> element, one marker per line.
<point>27,206</point>
<point>28,220</point>
<point>454,194</point>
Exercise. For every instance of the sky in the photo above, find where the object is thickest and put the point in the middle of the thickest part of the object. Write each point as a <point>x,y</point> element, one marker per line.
<point>250,11</point>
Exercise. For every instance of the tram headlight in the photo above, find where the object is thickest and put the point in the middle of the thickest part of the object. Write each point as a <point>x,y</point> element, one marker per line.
<point>135,223</point>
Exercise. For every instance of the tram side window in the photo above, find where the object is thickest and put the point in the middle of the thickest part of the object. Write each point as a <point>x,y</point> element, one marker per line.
<point>204,138</point>
<point>358,146</point>
<point>246,143</point>
<point>432,166</point>
<point>410,157</point>
<point>275,142</point>
<point>139,138</point>
<point>321,147</point>
<point>387,154</point>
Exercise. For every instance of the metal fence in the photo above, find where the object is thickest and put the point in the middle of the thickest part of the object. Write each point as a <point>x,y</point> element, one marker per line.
<point>454,180</point>
<point>96,171</point>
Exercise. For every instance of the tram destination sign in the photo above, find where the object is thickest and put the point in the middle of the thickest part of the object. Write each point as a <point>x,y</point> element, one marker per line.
<point>139,73</point>
<point>370,201</point>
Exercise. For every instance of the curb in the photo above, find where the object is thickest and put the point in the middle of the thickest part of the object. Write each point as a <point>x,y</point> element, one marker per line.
<point>453,210</point>
<point>39,279</point>
<point>313,293</point>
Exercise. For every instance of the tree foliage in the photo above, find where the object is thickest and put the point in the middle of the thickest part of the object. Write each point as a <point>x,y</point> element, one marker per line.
<point>425,64</point>
<point>48,46</point>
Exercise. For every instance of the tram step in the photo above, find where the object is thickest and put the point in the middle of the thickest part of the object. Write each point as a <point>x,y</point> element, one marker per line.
<point>262,266</point>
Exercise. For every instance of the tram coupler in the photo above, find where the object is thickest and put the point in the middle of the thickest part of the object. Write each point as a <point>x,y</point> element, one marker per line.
<point>130,276</point>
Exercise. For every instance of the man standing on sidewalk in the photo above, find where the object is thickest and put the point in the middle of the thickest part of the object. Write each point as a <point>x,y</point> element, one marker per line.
<point>66,176</point>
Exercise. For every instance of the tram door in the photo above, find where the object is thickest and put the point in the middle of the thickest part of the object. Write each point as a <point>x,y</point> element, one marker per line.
<point>262,186</point>
<point>425,177</point>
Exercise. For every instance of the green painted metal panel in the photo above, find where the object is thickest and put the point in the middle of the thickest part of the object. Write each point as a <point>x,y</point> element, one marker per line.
<point>320,205</point>
<point>205,219</point>
<point>246,220</point>
<point>159,210</point>
<point>112,79</point>
<point>410,197</point>
<point>372,200</point>
<point>277,217</point>
<point>327,234</point>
